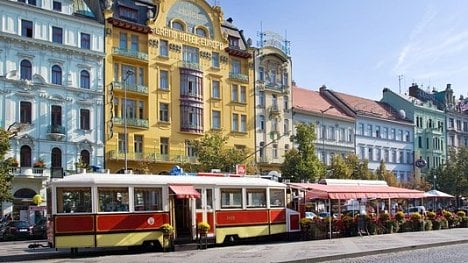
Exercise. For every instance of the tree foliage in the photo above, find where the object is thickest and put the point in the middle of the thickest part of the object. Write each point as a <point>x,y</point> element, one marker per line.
<point>302,163</point>
<point>213,153</point>
<point>452,177</point>
<point>360,168</point>
<point>381,173</point>
<point>5,176</point>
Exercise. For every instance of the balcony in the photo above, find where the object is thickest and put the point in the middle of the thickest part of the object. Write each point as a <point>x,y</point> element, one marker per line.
<point>29,172</point>
<point>131,87</point>
<point>239,77</point>
<point>189,65</point>
<point>433,131</point>
<point>56,132</point>
<point>151,157</point>
<point>274,110</point>
<point>138,123</point>
<point>276,87</point>
<point>129,53</point>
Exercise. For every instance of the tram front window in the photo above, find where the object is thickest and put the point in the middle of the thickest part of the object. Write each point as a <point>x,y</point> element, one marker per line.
<point>276,197</point>
<point>74,200</point>
<point>113,199</point>
<point>148,199</point>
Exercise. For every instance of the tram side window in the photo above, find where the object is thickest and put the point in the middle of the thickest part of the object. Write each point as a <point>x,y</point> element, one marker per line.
<point>148,199</point>
<point>276,197</point>
<point>74,200</point>
<point>113,199</point>
<point>256,198</point>
<point>231,198</point>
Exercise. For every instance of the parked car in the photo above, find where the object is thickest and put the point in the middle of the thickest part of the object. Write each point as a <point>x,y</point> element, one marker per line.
<point>325,215</point>
<point>39,230</point>
<point>310,215</point>
<point>417,209</point>
<point>15,230</point>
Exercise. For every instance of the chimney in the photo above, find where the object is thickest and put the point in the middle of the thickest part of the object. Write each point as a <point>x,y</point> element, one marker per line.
<point>293,83</point>
<point>323,88</point>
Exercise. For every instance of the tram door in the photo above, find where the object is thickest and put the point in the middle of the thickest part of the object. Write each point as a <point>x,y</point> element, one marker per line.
<point>183,217</point>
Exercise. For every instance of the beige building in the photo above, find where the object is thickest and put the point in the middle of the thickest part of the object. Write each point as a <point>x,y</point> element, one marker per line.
<point>174,71</point>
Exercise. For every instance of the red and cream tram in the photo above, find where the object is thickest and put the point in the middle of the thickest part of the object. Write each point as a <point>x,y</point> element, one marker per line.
<point>106,210</point>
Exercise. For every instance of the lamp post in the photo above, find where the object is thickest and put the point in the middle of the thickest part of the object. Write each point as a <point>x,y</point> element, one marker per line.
<point>323,133</point>
<point>128,73</point>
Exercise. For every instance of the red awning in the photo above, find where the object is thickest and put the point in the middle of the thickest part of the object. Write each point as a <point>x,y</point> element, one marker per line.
<point>184,191</point>
<point>356,192</point>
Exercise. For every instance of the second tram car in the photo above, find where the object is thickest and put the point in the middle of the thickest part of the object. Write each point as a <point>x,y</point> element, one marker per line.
<point>106,210</point>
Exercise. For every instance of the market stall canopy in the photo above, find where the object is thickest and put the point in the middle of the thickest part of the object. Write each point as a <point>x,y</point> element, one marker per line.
<point>343,192</point>
<point>438,194</point>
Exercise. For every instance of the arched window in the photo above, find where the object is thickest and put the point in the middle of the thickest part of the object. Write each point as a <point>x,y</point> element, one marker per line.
<point>25,69</point>
<point>84,156</point>
<point>56,158</point>
<point>200,32</point>
<point>84,79</point>
<point>25,156</point>
<point>56,75</point>
<point>178,26</point>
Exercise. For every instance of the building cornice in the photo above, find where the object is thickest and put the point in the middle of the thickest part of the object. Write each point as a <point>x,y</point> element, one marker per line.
<point>53,47</point>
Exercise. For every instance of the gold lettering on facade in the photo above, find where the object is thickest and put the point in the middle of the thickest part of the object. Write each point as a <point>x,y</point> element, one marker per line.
<point>188,38</point>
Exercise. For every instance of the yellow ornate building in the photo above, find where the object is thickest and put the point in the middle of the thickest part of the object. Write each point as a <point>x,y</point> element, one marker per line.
<point>174,70</point>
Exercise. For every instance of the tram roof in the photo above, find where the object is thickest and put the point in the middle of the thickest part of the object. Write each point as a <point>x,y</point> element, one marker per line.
<point>144,179</point>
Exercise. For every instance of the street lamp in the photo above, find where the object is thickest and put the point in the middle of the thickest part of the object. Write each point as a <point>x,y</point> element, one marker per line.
<point>323,133</point>
<point>128,73</point>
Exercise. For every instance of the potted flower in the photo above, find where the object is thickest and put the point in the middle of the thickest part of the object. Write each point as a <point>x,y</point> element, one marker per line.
<point>11,162</point>
<point>166,229</point>
<point>203,227</point>
<point>39,164</point>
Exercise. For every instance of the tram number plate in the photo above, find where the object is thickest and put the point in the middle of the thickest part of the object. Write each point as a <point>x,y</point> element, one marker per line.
<point>231,218</point>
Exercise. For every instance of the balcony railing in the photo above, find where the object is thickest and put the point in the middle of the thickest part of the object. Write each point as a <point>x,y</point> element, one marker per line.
<point>130,53</point>
<point>275,87</point>
<point>132,87</point>
<point>141,123</point>
<point>189,65</point>
<point>239,77</point>
<point>151,157</point>
<point>56,129</point>
<point>29,172</point>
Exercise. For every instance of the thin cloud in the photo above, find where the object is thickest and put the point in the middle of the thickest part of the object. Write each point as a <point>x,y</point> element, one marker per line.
<point>434,48</point>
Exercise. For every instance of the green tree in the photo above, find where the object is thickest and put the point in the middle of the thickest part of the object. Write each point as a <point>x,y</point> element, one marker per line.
<point>452,177</point>
<point>339,169</point>
<point>381,173</point>
<point>359,169</point>
<point>5,176</point>
<point>213,153</point>
<point>302,163</point>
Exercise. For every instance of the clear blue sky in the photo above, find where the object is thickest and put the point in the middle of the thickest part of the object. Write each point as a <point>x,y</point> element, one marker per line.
<point>360,47</point>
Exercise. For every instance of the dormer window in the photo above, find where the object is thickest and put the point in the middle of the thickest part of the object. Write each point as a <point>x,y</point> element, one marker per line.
<point>233,42</point>
<point>128,13</point>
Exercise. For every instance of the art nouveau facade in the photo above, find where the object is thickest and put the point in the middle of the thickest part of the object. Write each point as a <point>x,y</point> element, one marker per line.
<point>51,95</point>
<point>334,128</point>
<point>175,70</point>
<point>272,102</point>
